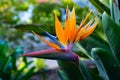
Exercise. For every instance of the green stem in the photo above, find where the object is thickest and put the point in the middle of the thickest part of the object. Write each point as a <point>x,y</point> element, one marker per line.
<point>83,50</point>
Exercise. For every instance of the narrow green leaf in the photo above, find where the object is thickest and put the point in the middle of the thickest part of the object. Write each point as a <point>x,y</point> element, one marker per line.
<point>100,6</point>
<point>95,74</point>
<point>29,73</point>
<point>2,44</point>
<point>72,70</point>
<point>115,12</point>
<point>35,27</point>
<point>18,75</point>
<point>83,50</point>
<point>112,31</point>
<point>62,75</point>
<point>98,38</point>
<point>85,71</point>
<point>106,64</point>
<point>6,65</point>
<point>3,48</point>
<point>99,64</point>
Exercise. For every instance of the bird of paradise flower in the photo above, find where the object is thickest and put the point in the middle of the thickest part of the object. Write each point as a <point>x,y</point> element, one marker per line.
<point>66,37</point>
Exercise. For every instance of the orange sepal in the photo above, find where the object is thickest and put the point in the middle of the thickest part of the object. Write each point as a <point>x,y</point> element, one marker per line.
<point>48,43</point>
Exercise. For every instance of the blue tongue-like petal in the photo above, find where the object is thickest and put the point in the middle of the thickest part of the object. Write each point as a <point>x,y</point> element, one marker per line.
<point>54,39</point>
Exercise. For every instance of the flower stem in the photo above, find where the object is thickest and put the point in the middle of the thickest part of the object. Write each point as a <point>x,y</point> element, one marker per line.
<point>83,50</point>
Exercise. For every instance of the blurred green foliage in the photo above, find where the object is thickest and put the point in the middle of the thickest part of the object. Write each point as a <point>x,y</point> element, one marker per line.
<point>10,64</point>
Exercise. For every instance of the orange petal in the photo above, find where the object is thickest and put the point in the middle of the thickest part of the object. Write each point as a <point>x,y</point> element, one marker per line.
<point>73,26</point>
<point>73,19</point>
<point>87,25</point>
<point>82,30</point>
<point>84,20</point>
<point>48,43</point>
<point>89,31</point>
<point>70,27</point>
<point>67,24</point>
<point>73,36</point>
<point>81,25</point>
<point>67,13</point>
<point>67,27</point>
<point>67,31</point>
<point>59,30</point>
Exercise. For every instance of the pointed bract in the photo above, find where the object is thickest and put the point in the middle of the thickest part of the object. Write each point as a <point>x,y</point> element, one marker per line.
<point>53,54</point>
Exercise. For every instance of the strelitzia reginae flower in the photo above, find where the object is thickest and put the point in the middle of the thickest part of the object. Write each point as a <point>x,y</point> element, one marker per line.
<point>66,36</point>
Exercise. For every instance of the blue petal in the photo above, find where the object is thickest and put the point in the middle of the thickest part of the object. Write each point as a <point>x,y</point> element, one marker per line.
<point>54,38</point>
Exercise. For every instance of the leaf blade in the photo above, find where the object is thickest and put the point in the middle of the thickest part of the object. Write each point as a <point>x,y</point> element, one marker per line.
<point>112,31</point>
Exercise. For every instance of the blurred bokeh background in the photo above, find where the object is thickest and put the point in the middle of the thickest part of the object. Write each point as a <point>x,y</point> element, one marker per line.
<point>17,19</point>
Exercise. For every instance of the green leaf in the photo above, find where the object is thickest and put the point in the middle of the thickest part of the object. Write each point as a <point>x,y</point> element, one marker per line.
<point>87,45</point>
<point>100,6</point>
<point>112,31</point>
<point>95,74</point>
<point>6,65</point>
<point>72,70</point>
<point>89,70</point>
<point>3,48</point>
<point>99,39</point>
<point>85,71</point>
<point>29,74</point>
<point>83,51</point>
<point>35,27</point>
<point>17,52</point>
<point>15,55</point>
<point>115,12</point>
<point>18,75</point>
<point>2,43</point>
<point>62,75</point>
<point>106,64</point>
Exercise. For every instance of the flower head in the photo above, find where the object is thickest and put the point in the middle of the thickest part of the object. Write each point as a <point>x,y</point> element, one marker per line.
<point>68,34</point>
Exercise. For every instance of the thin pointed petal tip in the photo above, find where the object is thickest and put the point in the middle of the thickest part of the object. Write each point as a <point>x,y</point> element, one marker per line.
<point>48,43</point>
